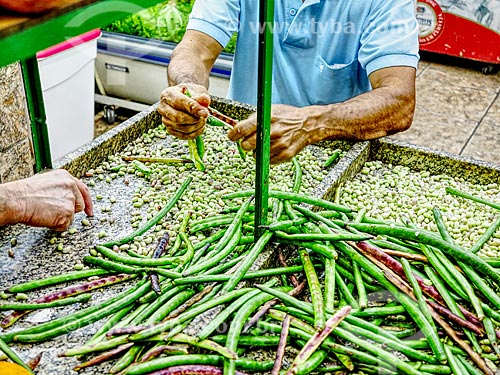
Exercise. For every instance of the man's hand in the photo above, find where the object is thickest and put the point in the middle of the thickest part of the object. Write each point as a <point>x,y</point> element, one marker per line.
<point>47,199</point>
<point>289,133</point>
<point>189,68</point>
<point>385,110</point>
<point>184,116</point>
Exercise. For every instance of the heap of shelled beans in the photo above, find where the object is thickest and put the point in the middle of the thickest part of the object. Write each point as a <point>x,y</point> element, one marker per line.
<point>354,289</point>
<point>225,172</point>
<point>390,192</point>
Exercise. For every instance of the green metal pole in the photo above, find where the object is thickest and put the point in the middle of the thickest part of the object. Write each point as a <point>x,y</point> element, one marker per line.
<point>38,120</point>
<point>264,92</point>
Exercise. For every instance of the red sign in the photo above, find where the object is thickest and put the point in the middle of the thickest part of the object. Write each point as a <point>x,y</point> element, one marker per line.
<point>470,31</point>
<point>431,20</point>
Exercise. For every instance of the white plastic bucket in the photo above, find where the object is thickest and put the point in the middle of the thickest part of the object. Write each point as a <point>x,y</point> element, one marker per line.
<point>67,77</point>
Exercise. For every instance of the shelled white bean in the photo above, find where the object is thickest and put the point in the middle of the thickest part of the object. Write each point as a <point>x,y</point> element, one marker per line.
<point>390,192</point>
<point>225,173</point>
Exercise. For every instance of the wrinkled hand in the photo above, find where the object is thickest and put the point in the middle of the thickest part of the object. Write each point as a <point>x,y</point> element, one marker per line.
<point>288,132</point>
<point>183,116</point>
<point>48,199</point>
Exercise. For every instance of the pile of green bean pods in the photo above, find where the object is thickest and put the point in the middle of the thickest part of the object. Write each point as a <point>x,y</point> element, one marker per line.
<point>348,289</point>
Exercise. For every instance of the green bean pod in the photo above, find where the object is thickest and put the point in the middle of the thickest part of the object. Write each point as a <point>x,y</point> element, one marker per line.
<point>492,335</point>
<point>360,287</point>
<point>38,333</point>
<point>315,290</point>
<point>188,257</point>
<point>247,262</point>
<point>424,308</point>
<point>140,167</point>
<point>143,262</point>
<point>82,298</point>
<point>194,359</point>
<point>126,360</point>
<point>57,279</point>
<point>297,178</point>
<point>451,303</point>
<point>344,291</point>
<point>335,155</point>
<point>187,315</point>
<point>486,236</point>
<point>237,326</point>
<point>13,356</point>
<point>461,194</point>
<point>469,367</point>
<point>195,156</point>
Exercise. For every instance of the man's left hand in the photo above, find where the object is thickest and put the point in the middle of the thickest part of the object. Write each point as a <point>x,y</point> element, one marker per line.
<point>289,134</point>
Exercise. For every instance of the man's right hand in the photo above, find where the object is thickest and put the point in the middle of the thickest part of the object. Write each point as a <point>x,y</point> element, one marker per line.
<point>184,116</point>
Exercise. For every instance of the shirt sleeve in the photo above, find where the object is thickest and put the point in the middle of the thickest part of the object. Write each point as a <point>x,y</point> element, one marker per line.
<point>390,36</point>
<point>217,18</point>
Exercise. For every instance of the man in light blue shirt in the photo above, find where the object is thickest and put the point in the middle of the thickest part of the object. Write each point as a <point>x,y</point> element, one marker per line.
<point>343,69</point>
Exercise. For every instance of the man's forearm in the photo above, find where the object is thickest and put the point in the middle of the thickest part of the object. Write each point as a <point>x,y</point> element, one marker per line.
<point>185,68</point>
<point>385,110</point>
<point>368,116</point>
<point>192,59</point>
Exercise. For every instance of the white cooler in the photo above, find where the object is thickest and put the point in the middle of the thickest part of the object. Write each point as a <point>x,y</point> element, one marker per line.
<point>67,77</point>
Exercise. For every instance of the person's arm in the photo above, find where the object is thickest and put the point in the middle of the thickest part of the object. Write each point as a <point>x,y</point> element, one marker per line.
<point>385,110</point>
<point>48,199</point>
<point>189,68</point>
<point>193,59</point>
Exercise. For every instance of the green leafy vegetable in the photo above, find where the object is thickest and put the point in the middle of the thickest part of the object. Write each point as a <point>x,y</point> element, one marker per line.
<point>165,21</point>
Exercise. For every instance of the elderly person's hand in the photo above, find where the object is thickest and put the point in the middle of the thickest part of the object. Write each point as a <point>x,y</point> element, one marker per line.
<point>184,116</point>
<point>48,199</point>
<point>291,131</point>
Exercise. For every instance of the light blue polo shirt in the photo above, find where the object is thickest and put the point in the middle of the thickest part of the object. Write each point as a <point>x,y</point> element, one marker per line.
<point>324,50</point>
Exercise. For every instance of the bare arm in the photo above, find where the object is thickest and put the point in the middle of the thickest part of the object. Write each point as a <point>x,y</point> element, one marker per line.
<point>193,59</point>
<point>385,110</point>
<point>189,68</point>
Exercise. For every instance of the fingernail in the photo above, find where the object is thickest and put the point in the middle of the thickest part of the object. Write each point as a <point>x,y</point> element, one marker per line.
<point>202,113</point>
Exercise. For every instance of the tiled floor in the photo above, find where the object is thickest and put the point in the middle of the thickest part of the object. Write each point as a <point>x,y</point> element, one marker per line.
<point>458,109</point>
<point>101,126</point>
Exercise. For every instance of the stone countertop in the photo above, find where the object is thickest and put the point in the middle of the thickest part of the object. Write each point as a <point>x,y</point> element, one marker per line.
<point>34,257</point>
